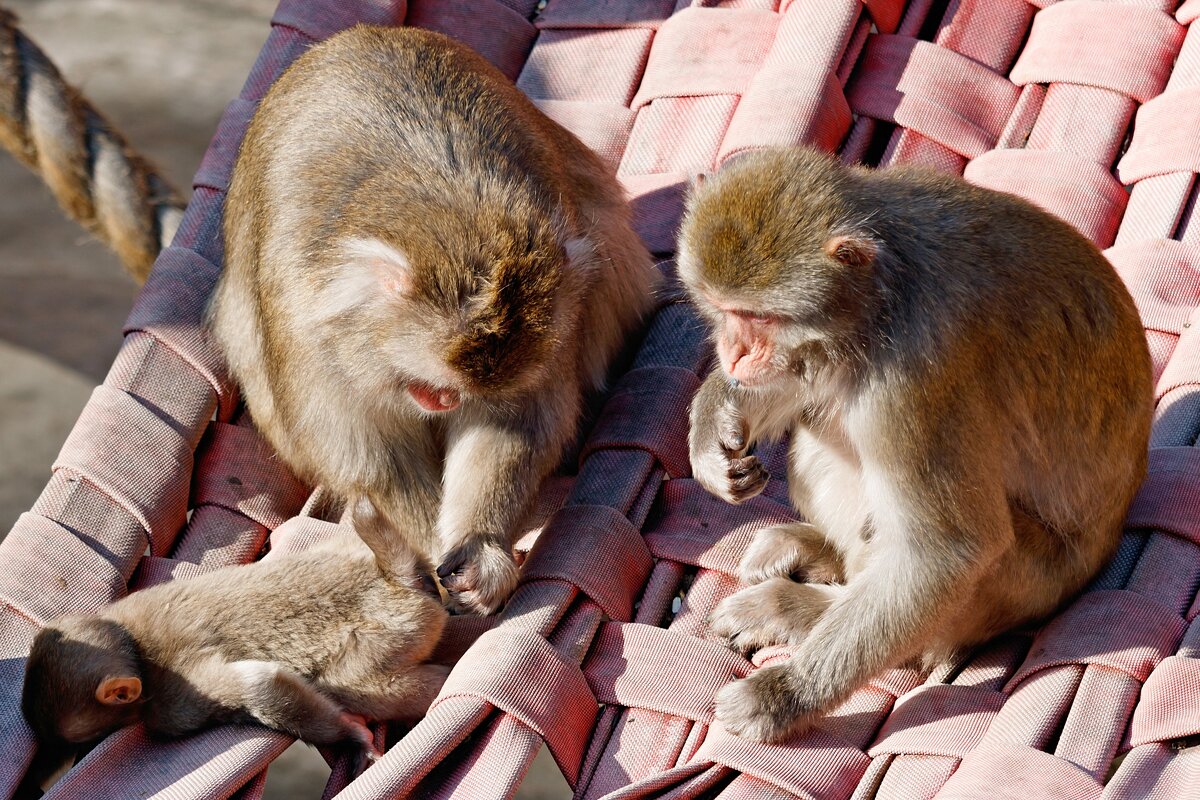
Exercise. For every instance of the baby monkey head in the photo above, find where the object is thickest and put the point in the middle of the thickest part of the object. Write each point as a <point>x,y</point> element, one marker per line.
<point>776,251</point>
<point>456,310</point>
<point>82,681</point>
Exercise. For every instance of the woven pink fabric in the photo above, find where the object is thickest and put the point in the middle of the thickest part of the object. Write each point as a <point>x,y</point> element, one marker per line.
<point>1090,109</point>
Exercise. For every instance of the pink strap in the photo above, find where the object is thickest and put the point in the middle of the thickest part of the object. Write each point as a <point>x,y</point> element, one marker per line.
<point>238,470</point>
<point>552,696</point>
<point>1156,772</point>
<point>604,127</point>
<point>601,14</point>
<point>1166,137</point>
<point>624,422</point>
<point>153,570</point>
<point>934,91</point>
<point>1163,275</point>
<point>1170,704</point>
<point>322,19</point>
<point>488,27</point>
<point>641,666</point>
<point>50,572</point>
<point>1008,772</point>
<point>170,307</point>
<point>618,562</point>
<point>705,531</point>
<point>217,163</point>
<point>1183,368</point>
<point>133,456</point>
<point>564,64</point>
<point>938,720</point>
<point>816,766</point>
<point>1116,628</point>
<point>657,202</point>
<point>706,51</point>
<point>1168,498</point>
<point>1082,192</point>
<point>1089,42</point>
<point>786,105</point>
<point>213,763</point>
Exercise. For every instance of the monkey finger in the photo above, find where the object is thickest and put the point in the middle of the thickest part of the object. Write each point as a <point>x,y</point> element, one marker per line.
<point>731,434</point>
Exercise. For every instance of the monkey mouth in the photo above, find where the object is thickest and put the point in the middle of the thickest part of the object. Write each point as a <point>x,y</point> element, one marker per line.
<point>434,398</point>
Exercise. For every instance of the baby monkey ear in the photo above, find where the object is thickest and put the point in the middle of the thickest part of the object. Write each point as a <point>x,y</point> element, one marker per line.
<point>852,251</point>
<point>119,690</point>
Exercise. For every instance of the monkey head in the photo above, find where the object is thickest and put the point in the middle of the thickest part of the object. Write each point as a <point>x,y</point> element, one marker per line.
<point>775,258</point>
<point>458,310</point>
<point>82,681</point>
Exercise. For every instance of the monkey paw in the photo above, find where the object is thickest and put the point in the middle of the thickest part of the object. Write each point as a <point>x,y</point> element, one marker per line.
<point>733,479</point>
<point>777,611</point>
<point>478,575</point>
<point>798,551</point>
<point>356,730</point>
<point>763,707</point>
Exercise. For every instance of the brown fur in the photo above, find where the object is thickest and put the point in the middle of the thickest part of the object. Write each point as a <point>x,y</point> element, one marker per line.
<point>968,389</point>
<point>312,644</point>
<point>519,279</point>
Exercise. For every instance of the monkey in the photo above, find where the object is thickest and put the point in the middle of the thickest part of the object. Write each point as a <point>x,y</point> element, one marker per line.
<point>312,643</point>
<point>423,276</point>
<point>968,390</point>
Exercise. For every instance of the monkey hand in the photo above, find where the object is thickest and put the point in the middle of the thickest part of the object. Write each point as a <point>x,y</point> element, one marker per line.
<point>797,550</point>
<point>764,707</point>
<point>718,445</point>
<point>478,575</point>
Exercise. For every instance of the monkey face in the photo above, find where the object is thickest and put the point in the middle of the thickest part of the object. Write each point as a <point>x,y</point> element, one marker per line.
<point>768,255</point>
<point>475,325</point>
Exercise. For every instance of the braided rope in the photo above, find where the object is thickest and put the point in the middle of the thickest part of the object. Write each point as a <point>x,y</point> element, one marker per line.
<point>91,170</point>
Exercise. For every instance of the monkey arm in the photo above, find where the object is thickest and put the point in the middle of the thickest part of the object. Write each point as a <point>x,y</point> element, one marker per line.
<point>493,469</point>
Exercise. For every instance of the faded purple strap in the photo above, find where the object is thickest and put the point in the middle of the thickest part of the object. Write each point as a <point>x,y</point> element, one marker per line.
<point>617,565</point>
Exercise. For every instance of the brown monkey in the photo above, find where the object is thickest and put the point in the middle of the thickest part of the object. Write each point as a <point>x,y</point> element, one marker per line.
<point>423,274</point>
<point>312,643</point>
<point>968,389</point>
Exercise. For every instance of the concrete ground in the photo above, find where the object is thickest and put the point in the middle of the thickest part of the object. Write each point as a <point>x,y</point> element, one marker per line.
<point>162,71</point>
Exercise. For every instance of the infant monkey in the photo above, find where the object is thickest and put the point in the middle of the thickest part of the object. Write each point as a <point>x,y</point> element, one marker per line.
<point>968,389</point>
<point>312,644</point>
<point>423,276</point>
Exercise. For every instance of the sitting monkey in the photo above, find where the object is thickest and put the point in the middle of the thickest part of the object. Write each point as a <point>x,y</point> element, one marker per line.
<point>312,644</point>
<point>968,389</point>
<point>424,276</point>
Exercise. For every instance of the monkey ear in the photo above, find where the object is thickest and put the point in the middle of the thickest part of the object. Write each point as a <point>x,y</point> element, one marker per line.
<point>851,251</point>
<point>119,690</point>
<point>389,266</point>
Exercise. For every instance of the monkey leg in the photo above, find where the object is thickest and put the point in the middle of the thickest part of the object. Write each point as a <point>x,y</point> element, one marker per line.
<point>776,611</point>
<point>273,695</point>
<point>798,551</point>
<point>403,694</point>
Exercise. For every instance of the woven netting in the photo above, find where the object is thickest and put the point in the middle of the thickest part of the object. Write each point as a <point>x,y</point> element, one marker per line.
<point>1090,109</point>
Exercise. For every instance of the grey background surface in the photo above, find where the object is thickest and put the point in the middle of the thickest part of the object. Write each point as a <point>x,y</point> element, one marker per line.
<point>162,71</point>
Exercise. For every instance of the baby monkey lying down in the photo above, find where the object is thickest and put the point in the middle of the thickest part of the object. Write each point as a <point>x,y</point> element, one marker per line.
<point>312,644</point>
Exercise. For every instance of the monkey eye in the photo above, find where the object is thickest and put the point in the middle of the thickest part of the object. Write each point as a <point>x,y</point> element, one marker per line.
<point>755,317</point>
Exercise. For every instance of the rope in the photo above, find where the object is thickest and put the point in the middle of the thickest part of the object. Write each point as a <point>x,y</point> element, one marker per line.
<point>99,181</point>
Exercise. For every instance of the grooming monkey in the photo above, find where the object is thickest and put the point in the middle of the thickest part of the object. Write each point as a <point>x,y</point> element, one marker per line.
<point>968,389</point>
<point>423,276</point>
<point>312,644</point>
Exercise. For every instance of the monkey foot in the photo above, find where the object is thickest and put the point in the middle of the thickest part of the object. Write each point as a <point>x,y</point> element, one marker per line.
<point>478,576</point>
<point>798,551</point>
<point>777,611</point>
<point>762,707</point>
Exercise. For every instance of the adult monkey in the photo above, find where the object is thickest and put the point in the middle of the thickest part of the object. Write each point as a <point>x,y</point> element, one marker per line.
<point>968,388</point>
